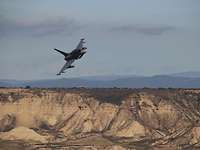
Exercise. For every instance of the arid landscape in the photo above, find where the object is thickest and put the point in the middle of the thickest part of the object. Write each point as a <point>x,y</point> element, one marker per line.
<point>99,75</point>
<point>98,119</point>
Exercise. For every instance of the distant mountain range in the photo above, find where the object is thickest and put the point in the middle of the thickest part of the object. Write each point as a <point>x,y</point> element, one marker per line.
<point>191,74</point>
<point>178,80</point>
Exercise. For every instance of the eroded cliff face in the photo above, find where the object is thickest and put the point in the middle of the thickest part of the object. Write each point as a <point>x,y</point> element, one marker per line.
<point>151,119</point>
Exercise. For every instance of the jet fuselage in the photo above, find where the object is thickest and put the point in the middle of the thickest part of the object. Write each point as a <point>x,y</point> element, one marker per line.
<point>76,54</point>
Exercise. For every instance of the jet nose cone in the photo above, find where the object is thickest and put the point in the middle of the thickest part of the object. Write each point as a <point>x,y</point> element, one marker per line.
<point>84,51</point>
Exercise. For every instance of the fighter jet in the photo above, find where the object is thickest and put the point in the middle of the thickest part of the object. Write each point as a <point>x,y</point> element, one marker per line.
<point>75,54</point>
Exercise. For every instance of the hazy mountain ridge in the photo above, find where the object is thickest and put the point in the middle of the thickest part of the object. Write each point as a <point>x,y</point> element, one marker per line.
<point>188,74</point>
<point>179,80</point>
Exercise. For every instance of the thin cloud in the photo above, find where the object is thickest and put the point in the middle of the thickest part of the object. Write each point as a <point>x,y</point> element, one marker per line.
<point>49,27</point>
<point>143,29</point>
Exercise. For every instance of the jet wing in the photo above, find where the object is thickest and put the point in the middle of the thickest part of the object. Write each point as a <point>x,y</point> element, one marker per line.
<point>66,66</point>
<point>65,54</point>
<point>80,44</point>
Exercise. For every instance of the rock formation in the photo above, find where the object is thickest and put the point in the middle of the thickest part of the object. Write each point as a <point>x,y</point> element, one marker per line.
<point>146,118</point>
<point>7,122</point>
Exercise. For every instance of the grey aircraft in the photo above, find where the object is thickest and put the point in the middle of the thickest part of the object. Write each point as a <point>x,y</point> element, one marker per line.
<point>77,53</point>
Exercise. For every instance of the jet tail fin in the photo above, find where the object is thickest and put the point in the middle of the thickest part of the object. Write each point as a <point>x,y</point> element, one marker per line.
<point>63,53</point>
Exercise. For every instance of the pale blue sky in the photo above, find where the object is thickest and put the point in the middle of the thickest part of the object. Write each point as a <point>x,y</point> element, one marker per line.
<point>123,37</point>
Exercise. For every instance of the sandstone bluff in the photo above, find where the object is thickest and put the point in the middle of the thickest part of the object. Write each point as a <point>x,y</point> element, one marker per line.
<point>98,119</point>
